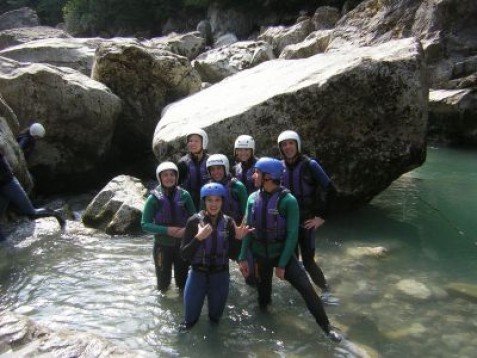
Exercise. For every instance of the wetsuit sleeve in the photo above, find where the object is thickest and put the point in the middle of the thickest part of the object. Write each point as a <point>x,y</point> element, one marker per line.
<point>188,203</point>
<point>322,188</point>
<point>248,238</point>
<point>289,207</point>
<point>147,220</point>
<point>189,243</point>
<point>241,193</point>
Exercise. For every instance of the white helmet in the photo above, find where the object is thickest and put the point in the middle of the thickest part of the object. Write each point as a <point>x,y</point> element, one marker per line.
<point>289,135</point>
<point>201,133</point>
<point>166,166</point>
<point>245,141</point>
<point>37,130</point>
<point>218,159</point>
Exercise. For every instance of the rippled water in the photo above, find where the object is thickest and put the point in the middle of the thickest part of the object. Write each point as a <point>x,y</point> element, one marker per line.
<point>426,220</point>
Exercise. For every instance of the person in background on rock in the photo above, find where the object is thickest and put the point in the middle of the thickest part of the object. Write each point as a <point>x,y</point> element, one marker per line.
<point>205,246</point>
<point>28,137</point>
<point>11,191</point>
<point>165,215</point>
<point>235,199</point>
<point>273,213</point>
<point>192,170</point>
<point>310,185</point>
<point>244,152</point>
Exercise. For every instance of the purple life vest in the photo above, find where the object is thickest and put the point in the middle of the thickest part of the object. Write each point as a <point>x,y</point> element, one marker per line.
<point>269,224</point>
<point>172,211</point>
<point>197,175</point>
<point>301,188</point>
<point>214,250</point>
<point>245,176</point>
<point>231,206</point>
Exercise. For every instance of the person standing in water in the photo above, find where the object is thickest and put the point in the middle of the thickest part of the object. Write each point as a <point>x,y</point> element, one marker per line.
<point>165,215</point>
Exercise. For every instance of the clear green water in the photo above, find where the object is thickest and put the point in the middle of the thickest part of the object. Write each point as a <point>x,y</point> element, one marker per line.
<point>426,220</point>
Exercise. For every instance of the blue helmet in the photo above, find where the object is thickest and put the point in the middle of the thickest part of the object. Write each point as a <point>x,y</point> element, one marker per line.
<point>270,166</point>
<point>212,189</point>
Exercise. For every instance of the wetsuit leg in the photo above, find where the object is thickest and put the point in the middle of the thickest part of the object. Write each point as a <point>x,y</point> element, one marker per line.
<point>163,264</point>
<point>181,267</point>
<point>264,284</point>
<point>194,296</point>
<point>299,280</point>
<point>217,294</point>
<point>306,240</point>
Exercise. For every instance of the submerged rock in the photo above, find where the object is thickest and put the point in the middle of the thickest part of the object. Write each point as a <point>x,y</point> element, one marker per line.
<point>464,290</point>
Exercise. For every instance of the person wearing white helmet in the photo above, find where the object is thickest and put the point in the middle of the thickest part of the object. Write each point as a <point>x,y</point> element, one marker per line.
<point>309,183</point>
<point>192,170</point>
<point>273,213</point>
<point>235,198</point>
<point>244,152</point>
<point>165,215</point>
<point>28,137</point>
<point>11,191</point>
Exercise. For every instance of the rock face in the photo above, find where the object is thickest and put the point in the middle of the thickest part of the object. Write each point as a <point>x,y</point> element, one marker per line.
<point>452,115</point>
<point>23,17</point>
<point>22,35</point>
<point>79,115</point>
<point>217,64</point>
<point>146,80</point>
<point>117,208</point>
<point>74,53</point>
<point>21,337</point>
<point>363,113</point>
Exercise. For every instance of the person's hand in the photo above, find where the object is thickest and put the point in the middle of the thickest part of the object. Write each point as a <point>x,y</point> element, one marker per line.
<point>176,232</point>
<point>314,223</point>
<point>244,268</point>
<point>280,273</point>
<point>203,231</point>
<point>242,230</point>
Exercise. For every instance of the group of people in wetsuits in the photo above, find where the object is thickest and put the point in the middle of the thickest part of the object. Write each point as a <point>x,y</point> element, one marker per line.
<point>262,213</point>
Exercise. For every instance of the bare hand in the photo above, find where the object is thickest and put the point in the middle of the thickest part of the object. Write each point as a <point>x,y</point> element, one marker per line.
<point>242,230</point>
<point>176,232</point>
<point>280,273</point>
<point>314,223</point>
<point>244,268</point>
<point>204,231</point>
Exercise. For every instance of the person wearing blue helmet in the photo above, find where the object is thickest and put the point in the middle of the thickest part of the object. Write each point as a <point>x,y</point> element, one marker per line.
<point>273,213</point>
<point>207,239</point>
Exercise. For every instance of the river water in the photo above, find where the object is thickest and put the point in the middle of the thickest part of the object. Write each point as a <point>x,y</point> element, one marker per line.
<point>426,220</point>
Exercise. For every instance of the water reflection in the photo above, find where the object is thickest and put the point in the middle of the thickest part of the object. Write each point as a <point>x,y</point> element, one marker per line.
<point>107,286</point>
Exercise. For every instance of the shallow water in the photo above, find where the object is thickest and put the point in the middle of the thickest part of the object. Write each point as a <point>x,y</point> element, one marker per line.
<point>426,220</point>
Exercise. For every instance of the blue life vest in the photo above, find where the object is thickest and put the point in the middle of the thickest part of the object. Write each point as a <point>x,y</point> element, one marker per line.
<point>269,224</point>
<point>298,180</point>
<point>214,250</point>
<point>172,211</point>
<point>245,176</point>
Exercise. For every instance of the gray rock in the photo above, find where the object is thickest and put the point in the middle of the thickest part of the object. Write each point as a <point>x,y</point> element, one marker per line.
<point>117,208</point>
<point>189,45</point>
<point>78,113</point>
<point>22,35</point>
<point>315,43</point>
<point>146,80</point>
<point>362,112</point>
<point>22,17</point>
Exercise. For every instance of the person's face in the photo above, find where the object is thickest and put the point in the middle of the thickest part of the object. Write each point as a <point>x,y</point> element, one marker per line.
<point>243,154</point>
<point>168,178</point>
<point>194,144</point>
<point>217,172</point>
<point>257,177</point>
<point>289,148</point>
<point>213,204</point>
